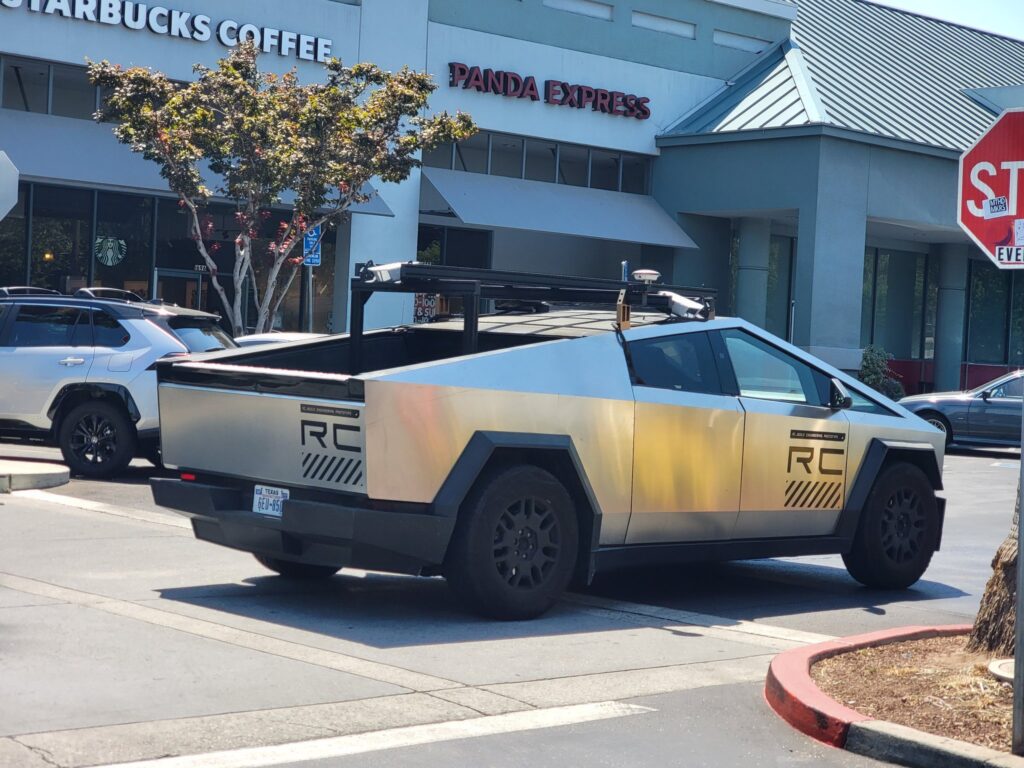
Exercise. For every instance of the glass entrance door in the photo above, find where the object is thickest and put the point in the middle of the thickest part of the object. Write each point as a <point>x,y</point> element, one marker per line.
<point>186,289</point>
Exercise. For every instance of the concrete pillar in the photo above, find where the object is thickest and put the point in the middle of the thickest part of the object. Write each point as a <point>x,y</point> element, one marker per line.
<point>949,322</point>
<point>755,237</point>
<point>383,239</point>
<point>829,281</point>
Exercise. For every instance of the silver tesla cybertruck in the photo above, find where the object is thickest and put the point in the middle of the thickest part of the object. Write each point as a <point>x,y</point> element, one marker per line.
<point>582,425</point>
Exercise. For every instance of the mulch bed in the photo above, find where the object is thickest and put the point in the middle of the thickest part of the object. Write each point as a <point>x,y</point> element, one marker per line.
<point>933,685</point>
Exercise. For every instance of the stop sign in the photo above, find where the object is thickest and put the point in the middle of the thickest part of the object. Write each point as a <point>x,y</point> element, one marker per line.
<point>991,208</point>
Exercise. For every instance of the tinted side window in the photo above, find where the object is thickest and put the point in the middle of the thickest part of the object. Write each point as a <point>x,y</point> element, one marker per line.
<point>108,332</point>
<point>38,326</point>
<point>764,372</point>
<point>684,363</point>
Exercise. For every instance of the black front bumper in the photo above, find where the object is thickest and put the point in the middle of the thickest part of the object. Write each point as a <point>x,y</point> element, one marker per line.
<point>314,532</point>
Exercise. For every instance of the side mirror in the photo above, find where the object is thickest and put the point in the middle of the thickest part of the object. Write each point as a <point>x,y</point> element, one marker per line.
<point>838,398</point>
<point>986,394</point>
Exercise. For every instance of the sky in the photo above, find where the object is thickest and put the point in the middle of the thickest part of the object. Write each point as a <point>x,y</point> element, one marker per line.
<point>1005,17</point>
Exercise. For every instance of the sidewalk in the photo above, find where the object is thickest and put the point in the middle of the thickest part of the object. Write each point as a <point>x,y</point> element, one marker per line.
<point>31,475</point>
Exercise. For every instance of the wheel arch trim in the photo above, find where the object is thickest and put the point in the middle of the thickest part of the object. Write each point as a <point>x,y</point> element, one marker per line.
<point>477,454</point>
<point>881,453</point>
<point>94,390</point>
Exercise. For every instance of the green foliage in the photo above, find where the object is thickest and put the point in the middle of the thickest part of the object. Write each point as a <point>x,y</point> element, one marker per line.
<point>874,371</point>
<point>267,136</point>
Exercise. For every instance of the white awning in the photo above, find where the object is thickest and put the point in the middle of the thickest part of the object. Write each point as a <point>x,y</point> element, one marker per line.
<point>495,201</point>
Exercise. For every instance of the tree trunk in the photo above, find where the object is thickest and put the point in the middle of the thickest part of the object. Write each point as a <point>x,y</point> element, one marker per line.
<point>993,630</point>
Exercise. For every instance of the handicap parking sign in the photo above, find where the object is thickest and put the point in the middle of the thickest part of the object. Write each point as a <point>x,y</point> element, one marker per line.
<point>311,248</point>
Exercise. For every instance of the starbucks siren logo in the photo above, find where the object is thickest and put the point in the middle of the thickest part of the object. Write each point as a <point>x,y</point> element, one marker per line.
<point>110,250</point>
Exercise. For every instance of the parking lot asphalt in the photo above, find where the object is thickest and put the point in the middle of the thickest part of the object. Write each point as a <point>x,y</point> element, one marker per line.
<point>124,639</point>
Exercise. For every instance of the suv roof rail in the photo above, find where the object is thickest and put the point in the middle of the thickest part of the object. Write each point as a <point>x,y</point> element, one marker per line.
<point>110,294</point>
<point>28,290</point>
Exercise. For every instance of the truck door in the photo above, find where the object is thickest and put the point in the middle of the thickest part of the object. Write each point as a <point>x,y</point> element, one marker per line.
<point>794,445</point>
<point>688,443</point>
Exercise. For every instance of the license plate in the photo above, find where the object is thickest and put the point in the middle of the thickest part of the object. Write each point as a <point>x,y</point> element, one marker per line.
<point>267,500</point>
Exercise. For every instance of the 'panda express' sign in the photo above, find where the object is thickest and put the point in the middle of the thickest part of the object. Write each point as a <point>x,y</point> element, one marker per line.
<point>561,94</point>
<point>181,24</point>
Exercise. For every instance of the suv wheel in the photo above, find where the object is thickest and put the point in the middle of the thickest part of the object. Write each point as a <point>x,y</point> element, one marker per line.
<point>898,530</point>
<point>514,548</point>
<point>292,570</point>
<point>97,439</point>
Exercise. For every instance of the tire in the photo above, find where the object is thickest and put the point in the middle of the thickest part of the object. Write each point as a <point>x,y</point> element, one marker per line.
<point>898,530</point>
<point>940,422</point>
<point>516,516</point>
<point>299,571</point>
<point>97,439</point>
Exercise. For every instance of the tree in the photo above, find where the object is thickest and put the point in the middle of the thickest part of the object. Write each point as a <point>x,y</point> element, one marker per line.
<point>993,630</point>
<point>874,371</point>
<point>265,137</point>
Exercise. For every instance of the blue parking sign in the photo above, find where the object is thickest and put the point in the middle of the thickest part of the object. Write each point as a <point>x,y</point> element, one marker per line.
<point>311,248</point>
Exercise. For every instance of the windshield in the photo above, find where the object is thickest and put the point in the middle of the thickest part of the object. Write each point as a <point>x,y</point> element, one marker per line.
<point>201,335</point>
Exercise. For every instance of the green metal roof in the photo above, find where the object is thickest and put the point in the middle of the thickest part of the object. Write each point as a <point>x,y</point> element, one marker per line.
<point>869,68</point>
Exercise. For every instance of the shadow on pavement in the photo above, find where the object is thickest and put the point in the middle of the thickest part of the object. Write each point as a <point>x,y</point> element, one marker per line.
<point>386,611</point>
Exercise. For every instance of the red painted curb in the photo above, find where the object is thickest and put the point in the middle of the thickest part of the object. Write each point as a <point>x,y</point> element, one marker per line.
<point>791,692</point>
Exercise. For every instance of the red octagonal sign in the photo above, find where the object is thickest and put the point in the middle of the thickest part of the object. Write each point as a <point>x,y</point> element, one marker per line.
<point>991,207</point>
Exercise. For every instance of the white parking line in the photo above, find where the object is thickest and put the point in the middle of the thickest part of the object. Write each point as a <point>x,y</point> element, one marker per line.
<point>410,736</point>
<point>722,623</point>
<point>74,502</point>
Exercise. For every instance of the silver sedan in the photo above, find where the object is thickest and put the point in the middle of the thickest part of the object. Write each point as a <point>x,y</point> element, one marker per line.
<point>987,415</point>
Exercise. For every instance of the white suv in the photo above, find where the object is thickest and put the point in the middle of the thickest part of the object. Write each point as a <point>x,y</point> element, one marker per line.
<point>77,371</point>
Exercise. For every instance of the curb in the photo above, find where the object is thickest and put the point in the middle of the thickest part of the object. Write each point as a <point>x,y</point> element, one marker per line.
<point>31,475</point>
<point>791,692</point>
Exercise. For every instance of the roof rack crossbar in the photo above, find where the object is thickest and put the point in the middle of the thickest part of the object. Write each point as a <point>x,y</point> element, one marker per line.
<point>474,284</point>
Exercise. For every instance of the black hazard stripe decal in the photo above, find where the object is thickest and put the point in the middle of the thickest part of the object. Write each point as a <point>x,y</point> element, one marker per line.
<point>813,494</point>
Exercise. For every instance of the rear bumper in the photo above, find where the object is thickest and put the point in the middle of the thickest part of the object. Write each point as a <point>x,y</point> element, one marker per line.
<point>311,532</point>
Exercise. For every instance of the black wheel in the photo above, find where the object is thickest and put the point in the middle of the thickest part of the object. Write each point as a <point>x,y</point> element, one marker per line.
<point>514,548</point>
<point>97,439</point>
<point>300,571</point>
<point>898,530</point>
<point>940,422</point>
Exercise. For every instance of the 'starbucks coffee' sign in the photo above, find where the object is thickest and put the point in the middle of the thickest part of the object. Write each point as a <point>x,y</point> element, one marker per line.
<point>186,25</point>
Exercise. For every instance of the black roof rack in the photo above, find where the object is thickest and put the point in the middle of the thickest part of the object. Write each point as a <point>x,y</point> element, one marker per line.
<point>108,294</point>
<point>473,284</point>
<point>28,290</point>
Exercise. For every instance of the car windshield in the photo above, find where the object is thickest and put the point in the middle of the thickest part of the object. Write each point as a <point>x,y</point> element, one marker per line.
<point>201,335</point>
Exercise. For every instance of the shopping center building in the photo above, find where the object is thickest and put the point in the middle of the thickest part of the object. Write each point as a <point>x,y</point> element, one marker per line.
<point>798,156</point>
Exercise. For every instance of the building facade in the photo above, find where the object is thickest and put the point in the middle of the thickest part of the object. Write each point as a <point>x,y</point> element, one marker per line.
<point>799,157</point>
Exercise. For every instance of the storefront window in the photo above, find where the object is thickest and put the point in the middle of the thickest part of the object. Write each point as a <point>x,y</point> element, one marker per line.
<point>634,174</point>
<point>61,237</point>
<point>471,154</point>
<point>540,160</point>
<point>867,304</point>
<point>12,241</point>
<point>604,170</point>
<point>507,156</point>
<point>572,165</point>
<point>26,84</point>
<point>1017,320</point>
<point>439,157</point>
<point>73,94</point>
<point>989,298</point>
<point>780,270</point>
<point>123,246</point>
<point>899,304</point>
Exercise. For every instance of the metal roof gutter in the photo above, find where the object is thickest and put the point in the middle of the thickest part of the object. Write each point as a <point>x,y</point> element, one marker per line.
<point>805,131</point>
